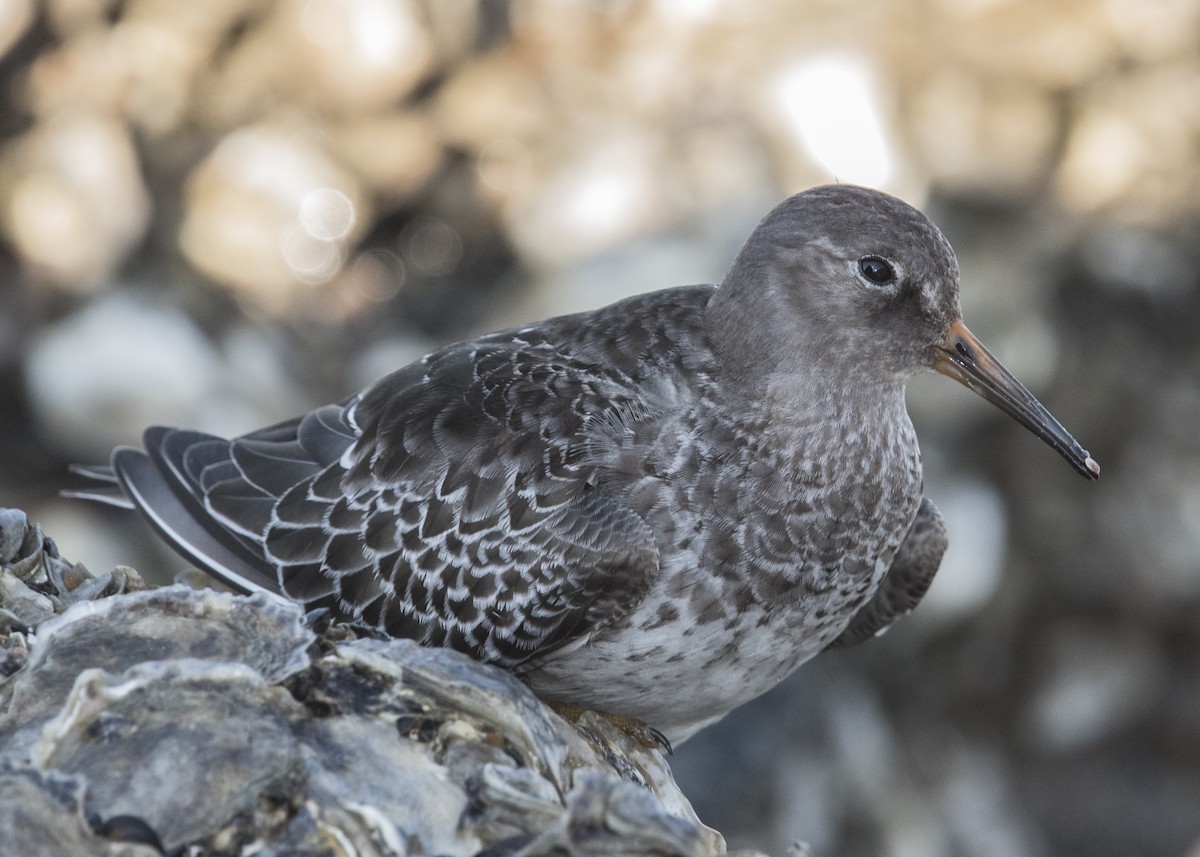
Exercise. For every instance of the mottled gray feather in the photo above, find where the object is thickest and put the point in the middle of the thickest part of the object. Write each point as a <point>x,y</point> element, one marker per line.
<point>908,579</point>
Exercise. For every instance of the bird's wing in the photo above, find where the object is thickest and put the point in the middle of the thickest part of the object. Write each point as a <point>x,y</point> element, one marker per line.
<point>907,580</point>
<point>452,502</point>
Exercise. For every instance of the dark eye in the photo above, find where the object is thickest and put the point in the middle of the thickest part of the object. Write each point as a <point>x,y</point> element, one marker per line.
<point>878,271</point>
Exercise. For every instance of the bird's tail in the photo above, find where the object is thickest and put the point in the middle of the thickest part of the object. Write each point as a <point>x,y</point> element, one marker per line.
<point>106,488</point>
<point>153,483</point>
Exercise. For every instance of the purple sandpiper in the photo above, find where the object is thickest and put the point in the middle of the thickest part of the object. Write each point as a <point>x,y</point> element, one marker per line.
<point>657,509</point>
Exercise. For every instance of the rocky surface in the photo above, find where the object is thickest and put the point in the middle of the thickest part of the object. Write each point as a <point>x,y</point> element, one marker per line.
<point>190,721</point>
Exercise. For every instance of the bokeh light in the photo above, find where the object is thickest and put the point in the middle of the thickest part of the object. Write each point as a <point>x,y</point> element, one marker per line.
<point>830,104</point>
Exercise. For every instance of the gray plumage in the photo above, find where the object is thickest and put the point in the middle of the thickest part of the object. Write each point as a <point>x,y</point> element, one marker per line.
<point>655,509</point>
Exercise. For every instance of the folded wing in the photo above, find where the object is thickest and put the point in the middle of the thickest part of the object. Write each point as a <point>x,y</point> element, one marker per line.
<point>452,503</point>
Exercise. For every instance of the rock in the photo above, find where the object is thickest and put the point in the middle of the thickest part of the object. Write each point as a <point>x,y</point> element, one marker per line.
<point>44,812</point>
<point>209,721</point>
<point>1094,682</point>
<point>332,56</point>
<point>124,361</point>
<point>270,214</point>
<point>36,584</point>
<point>72,200</point>
<point>101,375</point>
<point>15,19</point>
<point>414,152</point>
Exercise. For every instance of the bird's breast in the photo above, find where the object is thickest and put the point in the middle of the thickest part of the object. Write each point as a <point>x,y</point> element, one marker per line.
<point>770,538</point>
<point>797,518</point>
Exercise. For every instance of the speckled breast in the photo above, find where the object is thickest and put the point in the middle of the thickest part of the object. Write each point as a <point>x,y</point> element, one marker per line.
<point>767,553</point>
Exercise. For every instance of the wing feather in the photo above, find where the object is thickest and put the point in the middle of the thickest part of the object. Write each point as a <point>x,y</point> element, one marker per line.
<point>451,502</point>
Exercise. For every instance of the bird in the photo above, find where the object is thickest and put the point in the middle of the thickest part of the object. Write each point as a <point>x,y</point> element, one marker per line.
<point>656,510</point>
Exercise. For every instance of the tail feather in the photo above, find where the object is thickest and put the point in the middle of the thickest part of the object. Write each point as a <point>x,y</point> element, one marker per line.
<point>215,500</point>
<point>324,434</point>
<point>241,508</point>
<point>181,519</point>
<point>273,467</point>
<point>107,490</point>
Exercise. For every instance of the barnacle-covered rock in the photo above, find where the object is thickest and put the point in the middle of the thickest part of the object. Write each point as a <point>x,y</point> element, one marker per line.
<point>42,813</point>
<point>36,582</point>
<point>146,722</point>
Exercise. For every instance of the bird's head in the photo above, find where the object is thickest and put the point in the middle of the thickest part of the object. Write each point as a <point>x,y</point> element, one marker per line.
<point>851,280</point>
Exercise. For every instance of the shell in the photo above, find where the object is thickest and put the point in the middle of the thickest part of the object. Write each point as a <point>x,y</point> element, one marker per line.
<point>215,722</point>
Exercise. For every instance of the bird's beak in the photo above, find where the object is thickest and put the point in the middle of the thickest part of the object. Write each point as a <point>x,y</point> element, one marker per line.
<point>962,357</point>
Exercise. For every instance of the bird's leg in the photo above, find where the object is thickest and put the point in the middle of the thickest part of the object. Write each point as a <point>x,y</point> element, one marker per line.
<point>642,733</point>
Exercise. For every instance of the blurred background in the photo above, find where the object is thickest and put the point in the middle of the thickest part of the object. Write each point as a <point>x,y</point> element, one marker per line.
<point>218,214</point>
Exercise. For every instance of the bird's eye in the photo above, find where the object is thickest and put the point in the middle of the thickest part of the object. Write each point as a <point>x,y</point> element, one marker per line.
<point>878,271</point>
